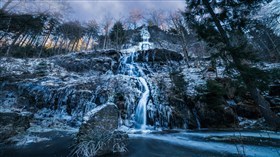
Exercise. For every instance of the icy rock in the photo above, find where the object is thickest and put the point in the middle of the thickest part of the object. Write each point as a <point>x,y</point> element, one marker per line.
<point>98,134</point>
<point>159,55</point>
<point>12,123</point>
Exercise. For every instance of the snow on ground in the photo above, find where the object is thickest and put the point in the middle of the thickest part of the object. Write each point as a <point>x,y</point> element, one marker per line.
<point>268,66</point>
<point>28,139</point>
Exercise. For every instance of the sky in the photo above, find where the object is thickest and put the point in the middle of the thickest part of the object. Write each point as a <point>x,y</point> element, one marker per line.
<point>84,10</point>
<point>96,9</point>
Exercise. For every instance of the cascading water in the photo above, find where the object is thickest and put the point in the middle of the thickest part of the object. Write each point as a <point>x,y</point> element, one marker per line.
<point>130,68</point>
<point>141,110</point>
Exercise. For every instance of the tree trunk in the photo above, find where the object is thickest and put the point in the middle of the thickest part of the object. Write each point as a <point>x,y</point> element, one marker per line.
<point>31,41</point>
<point>77,45</point>
<point>12,44</point>
<point>72,47</point>
<point>180,30</point>
<point>20,39</point>
<point>89,38</point>
<point>56,42</point>
<point>270,117</point>
<point>44,42</point>
<point>24,40</point>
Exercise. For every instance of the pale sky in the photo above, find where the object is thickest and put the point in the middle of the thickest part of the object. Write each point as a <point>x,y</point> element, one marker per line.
<point>84,10</point>
<point>96,9</point>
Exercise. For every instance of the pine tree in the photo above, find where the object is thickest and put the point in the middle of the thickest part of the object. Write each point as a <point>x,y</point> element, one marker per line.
<point>223,24</point>
<point>117,35</point>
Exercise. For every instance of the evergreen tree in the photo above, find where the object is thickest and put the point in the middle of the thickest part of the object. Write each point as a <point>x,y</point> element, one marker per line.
<point>224,25</point>
<point>117,35</point>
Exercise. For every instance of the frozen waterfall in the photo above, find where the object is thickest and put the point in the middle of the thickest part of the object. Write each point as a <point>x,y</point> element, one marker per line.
<point>141,110</point>
<point>131,68</point>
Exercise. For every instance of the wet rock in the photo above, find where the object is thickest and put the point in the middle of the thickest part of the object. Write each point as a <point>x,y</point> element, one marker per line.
<point>98,134</point>
<point>12,123</point>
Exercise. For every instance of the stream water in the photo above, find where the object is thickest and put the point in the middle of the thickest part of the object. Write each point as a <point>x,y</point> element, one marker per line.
<point>165,144</point>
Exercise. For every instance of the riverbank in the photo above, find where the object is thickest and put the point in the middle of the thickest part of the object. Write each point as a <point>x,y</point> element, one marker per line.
<point>176,143</point>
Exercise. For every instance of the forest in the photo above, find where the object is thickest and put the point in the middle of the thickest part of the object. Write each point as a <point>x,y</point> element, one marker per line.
<point>181,78</point>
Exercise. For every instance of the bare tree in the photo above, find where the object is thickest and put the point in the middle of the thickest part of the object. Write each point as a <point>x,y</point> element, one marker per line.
<point>177,21</point>
<point>106,25</point>
<point>156,18</point>
<point>36,7</point>
<point>135,16</point>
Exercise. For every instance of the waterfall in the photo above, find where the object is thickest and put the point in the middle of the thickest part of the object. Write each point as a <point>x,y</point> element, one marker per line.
<point>141,110</point>
<point>131,68</point>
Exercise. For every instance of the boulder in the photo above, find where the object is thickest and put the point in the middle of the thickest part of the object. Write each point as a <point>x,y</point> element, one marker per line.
<point>98,135</point>
<point>12,123</point>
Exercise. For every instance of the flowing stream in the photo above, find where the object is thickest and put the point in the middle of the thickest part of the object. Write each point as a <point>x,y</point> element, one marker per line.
<point>167,143</point>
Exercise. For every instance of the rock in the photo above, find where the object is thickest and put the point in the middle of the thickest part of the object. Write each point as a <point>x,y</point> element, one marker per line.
<point>84,62</point>
<point>274,90</point>
<point>98,134</point>
<point>101,98</point>
<point>229,87</point>
<point>12,123</point>
<point>274,103</point>
<point>258,124</point>
<point>159,55</point>
<point>222,117</point>
<point>247,111</point>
